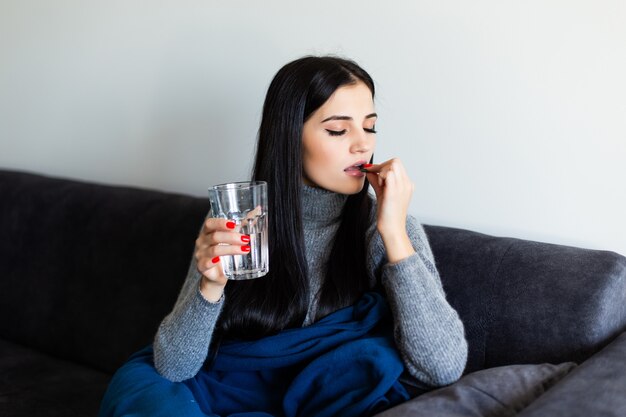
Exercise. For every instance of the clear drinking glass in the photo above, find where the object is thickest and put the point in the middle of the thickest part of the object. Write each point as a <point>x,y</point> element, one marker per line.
<point>245,203</point>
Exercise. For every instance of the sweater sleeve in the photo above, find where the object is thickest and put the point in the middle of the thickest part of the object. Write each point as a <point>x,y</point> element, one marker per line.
<point>182,341</point>
<point>427,330</point>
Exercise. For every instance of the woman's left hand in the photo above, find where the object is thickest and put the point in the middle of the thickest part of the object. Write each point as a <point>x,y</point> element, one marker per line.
<point>393,190</point>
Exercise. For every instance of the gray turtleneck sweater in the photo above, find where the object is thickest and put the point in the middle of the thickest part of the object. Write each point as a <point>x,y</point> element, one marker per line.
<point>427,330</point>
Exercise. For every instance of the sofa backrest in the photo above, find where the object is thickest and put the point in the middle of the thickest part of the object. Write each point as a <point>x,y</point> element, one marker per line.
<point>530,302</point>
<point>88,271</point>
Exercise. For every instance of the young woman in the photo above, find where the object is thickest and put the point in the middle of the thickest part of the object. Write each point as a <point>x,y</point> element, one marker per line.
<point>330,243</point>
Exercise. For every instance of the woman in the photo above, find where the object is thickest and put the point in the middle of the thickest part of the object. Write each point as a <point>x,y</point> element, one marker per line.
<point>330,241</point>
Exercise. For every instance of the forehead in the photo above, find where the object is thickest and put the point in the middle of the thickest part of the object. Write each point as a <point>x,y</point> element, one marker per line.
<point>348,100</point>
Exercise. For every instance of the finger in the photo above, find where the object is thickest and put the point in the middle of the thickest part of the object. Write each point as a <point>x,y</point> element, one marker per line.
<point>396,182</point>
<point>394,163</point>
<point>206,256</point>
<point>228,238</point>
<point>384,172</point>
<point>211,255</point>
<point>377,180</point>
<point>396,168</point>
<point>215,272</point>
<point>391,180</point>
<point>215,238</point>
<point>373,180</point>
<point>213,224</point>
<point>371,168</point>
<point>401,181</point>
<point>376,167</point>
<point>202,242</point>
<point>254,213</point>
<point>205,264</point>
<point>400,171</point>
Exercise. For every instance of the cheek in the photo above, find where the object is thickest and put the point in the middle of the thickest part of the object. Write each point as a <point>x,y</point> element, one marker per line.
<point>319,150</point>
<point>323,155</point>
<point>320,162</point>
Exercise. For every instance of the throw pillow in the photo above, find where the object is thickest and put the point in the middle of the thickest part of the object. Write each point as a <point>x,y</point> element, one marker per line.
<point>502,391</point>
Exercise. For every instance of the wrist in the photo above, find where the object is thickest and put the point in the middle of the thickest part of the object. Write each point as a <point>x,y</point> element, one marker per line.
<point>398,247</point>
<point>211,290</point>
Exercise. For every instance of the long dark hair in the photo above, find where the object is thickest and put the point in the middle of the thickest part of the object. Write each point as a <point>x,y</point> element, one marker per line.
<point>280,300</point>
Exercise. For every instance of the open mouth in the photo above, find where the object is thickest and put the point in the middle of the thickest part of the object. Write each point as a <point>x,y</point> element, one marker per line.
<point>356,167</point>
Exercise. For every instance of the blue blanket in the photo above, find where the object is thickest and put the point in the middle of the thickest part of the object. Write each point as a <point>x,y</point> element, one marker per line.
<point>343,365</point>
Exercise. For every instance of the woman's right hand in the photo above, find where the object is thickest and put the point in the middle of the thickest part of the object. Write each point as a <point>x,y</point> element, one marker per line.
<point>218,237</point>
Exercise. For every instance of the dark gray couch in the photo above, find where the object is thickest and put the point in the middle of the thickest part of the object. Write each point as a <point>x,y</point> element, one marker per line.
<point>88,271</point>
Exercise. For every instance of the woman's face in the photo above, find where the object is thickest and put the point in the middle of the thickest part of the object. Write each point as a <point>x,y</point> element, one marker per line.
<point>338,136</point>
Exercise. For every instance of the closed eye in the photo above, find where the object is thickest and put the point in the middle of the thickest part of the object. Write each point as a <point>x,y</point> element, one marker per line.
<point>372,130</point>
<point>336,132</point>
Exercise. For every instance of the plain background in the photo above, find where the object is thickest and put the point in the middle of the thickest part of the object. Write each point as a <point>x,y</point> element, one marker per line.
<point>509,116</point>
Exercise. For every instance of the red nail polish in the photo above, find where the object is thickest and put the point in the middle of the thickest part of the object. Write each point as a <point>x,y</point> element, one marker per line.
<point>215,260</point>
<point>230,225</point>
<point>245,239</point>
<point>368,165</point>
<point>245,248</point>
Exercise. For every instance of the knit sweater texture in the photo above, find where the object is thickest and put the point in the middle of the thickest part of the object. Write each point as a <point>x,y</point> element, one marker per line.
<point>427,331</point>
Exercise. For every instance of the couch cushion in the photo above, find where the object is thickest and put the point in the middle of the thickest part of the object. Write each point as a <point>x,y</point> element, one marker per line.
<point>503,391</point>
<point>35,384</point>
<point>595,388</point>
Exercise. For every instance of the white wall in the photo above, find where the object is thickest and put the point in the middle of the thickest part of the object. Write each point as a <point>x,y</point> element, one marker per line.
<point>510,116</point>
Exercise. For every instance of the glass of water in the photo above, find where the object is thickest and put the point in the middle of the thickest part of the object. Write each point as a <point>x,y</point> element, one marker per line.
<point>244,203</point>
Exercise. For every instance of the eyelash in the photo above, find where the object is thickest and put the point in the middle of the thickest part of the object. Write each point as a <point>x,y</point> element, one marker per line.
<point>341,132</point>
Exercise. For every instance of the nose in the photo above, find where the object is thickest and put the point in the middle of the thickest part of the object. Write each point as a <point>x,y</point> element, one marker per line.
<point>362,142</point>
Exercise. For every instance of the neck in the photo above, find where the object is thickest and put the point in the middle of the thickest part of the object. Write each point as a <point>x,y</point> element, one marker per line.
<point>321,207</point>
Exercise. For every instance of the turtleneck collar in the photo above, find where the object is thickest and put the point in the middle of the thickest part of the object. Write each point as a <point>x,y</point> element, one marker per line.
<point>320,206</point>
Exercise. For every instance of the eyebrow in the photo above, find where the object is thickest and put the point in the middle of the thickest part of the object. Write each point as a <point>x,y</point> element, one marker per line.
<point>369,116</point>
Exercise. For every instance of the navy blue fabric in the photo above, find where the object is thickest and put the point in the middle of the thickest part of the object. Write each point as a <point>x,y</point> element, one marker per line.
<point>346,364</point>
<point>138,390</point>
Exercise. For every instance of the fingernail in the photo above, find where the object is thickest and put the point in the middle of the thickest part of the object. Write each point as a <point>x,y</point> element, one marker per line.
<point>368,165</point>
<point>230,225</point>
<point>245,248</point>
<point>245,239</point>
<point>215,260</point>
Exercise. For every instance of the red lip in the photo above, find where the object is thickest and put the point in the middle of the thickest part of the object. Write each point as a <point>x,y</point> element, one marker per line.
<point>355,165</point>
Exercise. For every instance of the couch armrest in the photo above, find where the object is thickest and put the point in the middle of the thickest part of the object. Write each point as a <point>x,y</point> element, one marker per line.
<point>530,302</point>
<point>594,388</point>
